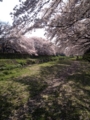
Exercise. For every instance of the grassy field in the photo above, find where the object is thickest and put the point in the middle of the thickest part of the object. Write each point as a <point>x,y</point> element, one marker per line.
<point>46,88</point>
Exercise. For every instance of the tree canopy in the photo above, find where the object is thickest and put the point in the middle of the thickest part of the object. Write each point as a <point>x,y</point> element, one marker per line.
<point>67,21</point>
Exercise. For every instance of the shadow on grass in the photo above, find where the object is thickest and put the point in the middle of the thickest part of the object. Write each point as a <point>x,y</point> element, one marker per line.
<point>59,92</point>
<point>45,102</point>
<point>35,85</point>
<point>5,108</point>
<point>67,96</point>
<point>82,78</point>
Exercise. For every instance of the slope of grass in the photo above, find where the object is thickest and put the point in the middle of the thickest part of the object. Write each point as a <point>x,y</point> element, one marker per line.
<point>58,89</point>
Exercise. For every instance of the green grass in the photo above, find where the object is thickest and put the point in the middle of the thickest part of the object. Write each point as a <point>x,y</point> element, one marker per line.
<point>57,88</point>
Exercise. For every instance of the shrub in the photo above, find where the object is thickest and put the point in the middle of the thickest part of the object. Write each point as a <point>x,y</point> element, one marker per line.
<point>6,72</point>
<point>86,57</point>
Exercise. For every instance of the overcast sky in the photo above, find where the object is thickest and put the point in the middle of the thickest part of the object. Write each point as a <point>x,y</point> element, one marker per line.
<point>6,7</point>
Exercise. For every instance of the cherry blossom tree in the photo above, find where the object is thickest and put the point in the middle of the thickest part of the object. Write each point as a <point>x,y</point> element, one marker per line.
<point>65,21</point>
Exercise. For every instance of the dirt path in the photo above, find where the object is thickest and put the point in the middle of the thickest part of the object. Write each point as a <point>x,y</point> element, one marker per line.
<point>59,91</point>
<point>69,70</point>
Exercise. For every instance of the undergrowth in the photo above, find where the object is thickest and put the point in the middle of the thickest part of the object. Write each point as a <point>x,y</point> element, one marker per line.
<point>53,88</point>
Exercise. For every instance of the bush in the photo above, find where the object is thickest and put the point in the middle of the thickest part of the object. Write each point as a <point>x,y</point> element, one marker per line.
<point>30,61</point>
<point>86,57</point>
<point>6,72</point>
